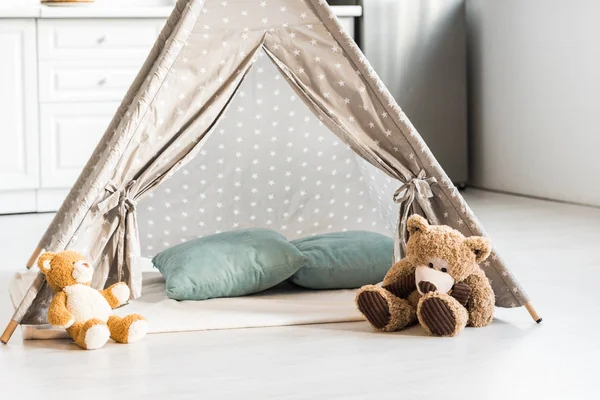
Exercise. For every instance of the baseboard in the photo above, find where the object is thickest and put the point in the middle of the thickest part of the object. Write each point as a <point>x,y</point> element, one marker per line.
<point>526,196</point>
<point>17,201</point>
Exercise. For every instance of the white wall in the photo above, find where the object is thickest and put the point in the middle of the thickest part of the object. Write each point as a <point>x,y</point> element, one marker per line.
<point>535,97</point>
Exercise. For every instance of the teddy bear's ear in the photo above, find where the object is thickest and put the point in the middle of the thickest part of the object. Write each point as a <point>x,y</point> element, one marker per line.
<point>416,223</point>
<point>479,245</point>
<point>44,261</point>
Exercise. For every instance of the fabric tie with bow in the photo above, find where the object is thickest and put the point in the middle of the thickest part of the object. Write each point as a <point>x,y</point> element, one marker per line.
<point>419,189</point>
<point>121,199</point>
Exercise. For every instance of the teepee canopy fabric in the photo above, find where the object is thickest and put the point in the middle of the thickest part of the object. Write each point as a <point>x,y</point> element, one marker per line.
<point>271,163</point>
<point>229,125</point>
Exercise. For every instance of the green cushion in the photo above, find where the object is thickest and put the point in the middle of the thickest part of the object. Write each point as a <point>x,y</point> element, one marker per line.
<point>344,260</point>
<point>228,264</point>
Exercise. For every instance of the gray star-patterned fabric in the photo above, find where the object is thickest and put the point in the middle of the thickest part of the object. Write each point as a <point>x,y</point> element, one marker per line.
<point>271,163</point>
<point>252,113</point>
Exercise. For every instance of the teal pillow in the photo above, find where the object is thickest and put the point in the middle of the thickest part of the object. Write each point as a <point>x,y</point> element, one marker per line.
<point>228,264</point>
<point>344,260</point>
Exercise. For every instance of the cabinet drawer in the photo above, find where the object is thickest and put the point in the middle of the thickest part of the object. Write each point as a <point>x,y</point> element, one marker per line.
<point>82,80</point>
<point>84,38</point>
<point>69,133</point>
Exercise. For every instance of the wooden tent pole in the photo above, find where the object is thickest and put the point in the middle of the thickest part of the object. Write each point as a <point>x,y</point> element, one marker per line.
<point>8,332</point>
<point>536,317</point>
<point>12,325</point>
<point>36,253</point>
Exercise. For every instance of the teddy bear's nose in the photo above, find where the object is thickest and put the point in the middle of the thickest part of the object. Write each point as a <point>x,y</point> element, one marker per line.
<point>85,264</point>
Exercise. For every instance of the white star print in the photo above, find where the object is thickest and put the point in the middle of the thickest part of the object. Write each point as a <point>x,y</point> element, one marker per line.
<point>276,147</point>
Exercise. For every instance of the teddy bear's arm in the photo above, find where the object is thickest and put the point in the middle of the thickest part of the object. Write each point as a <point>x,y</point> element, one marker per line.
<point>481,301</point>
<point>116,295</point>
<point>400,279</point>
<point>461,292</point>
<point>58,314</point>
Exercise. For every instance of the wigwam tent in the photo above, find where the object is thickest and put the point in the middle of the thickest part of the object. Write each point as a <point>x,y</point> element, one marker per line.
<point>251,113</point>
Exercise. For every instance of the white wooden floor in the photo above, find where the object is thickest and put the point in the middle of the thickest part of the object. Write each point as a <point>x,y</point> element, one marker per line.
<point>551,247</point>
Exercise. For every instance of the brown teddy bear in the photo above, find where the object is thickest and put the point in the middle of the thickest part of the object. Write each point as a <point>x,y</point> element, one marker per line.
<point>84,312</point>
<point>439,283</point>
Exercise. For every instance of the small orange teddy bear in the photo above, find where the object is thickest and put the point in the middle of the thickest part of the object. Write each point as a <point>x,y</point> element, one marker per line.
<point>84,312</point>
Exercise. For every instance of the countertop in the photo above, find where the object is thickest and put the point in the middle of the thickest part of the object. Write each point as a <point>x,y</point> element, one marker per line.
<point>95,11</point>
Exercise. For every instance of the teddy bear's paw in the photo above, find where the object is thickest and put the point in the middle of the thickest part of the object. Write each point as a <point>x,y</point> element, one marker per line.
<point>383,310</point>
<point>137,330</point>
<point>402,286</point>
<point>441,315</point>
<point>374,307</point>
<point>426,287</point>
<point>96,336</point>
<point>461,292</point>
<point>121,293</point>
<point>438,317</point>
<point>128,329</point>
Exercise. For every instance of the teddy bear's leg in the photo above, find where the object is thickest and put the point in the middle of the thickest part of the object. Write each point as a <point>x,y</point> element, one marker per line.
<point>441,314</point>
<point>414,298</point>
<point>383,310</point>
<point>481,301</point>
<point>128,329</point>
<point>90,335</point>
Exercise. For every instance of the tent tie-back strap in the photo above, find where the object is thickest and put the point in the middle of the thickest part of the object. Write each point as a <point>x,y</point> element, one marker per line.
<point>417,188</point>
<point>121,199</point>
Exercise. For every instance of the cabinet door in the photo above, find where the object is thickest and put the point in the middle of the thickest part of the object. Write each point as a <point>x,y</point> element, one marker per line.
<point>97,38</point>
<point>18,106</point>
<point>86,80</point>
<point>69,134</point>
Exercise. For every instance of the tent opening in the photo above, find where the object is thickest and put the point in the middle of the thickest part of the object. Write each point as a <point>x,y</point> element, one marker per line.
<point>270,163</point>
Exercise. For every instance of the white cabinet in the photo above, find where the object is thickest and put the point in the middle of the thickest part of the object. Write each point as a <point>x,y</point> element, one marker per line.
<point>97,38</point>
<point>68,135</point>
<point>80,68</point>
<point>85,67</point>
<point>18,115</point>
<point>66,80</point>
